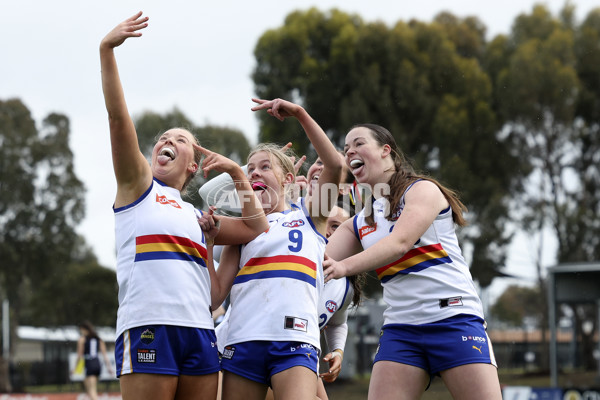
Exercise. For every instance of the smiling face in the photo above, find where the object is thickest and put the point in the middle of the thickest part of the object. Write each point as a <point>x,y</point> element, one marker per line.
<point>369,161</point>
<point>268,181</point>
<point>173,157</point>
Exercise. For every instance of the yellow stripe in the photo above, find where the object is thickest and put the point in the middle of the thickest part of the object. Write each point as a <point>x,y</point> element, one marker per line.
<point>150,247</point>
<point>413,261</point>
<point>278,266</point>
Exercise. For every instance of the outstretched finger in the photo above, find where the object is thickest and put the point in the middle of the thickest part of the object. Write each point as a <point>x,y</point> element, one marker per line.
<point>202,150</point>
<point>261,104</point>
<point>299,163</point>
<point>286,147</point>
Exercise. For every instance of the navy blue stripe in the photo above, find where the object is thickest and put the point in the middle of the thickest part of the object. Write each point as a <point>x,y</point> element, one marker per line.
<point>168,255</point>
<point>301,276</point>
<point>419,267</point>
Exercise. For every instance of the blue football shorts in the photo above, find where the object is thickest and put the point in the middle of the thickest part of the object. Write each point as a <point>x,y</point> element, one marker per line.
<point>167,350</point>
<point>260,360</point>
<point>437,346</point>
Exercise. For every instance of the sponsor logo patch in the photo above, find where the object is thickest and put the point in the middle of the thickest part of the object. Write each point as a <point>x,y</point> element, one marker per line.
<point>451,302</point>
<point>228,352</point>
<point>164,200</point>
<point>147,336</point>
<point>293,224</point>
<point>296,324</point>
<point>146,356</point>
<point>365,230</point>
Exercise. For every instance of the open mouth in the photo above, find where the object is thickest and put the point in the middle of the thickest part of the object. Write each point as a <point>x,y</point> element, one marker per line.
<point>167,152</point>
<point>356,165</point>
<point>258,186</point>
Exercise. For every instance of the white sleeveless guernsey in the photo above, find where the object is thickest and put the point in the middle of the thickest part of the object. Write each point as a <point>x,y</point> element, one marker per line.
<point>431,281</point>
<point>274,295</point>
<point>161,268</point>
<point>334,302</point>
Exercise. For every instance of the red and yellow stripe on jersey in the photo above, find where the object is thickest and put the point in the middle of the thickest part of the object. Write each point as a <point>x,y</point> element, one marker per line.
<point>163,247</point>
<point>286,266</point>
<point>415,260</point>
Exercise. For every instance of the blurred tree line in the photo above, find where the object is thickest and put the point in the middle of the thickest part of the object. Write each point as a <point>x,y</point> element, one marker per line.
<point>512,123</point>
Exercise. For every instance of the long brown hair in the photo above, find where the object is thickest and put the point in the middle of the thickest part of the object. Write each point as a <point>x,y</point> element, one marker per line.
<point>405,175</point>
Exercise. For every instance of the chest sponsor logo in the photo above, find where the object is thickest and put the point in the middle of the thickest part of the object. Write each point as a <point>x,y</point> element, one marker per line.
<point>165,201</point>
<point>147,336</point>
<point>365,230</point>
<point>331,306</point>
<point>293,224</point>
<point>451,302</point>
<point>146,356</point>
<point>296,324</point>
<point>228,352</point>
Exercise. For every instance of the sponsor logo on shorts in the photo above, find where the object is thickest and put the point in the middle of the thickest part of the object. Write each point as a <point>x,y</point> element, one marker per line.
<point>293,224</point>
<point>477,339</point>
<point>365,230</point>
<point>451,302</point>
<point>147,336</point>
<point>146,356</point>
<point>164,200</point>
<point>478,349</point>
<point>331,306</point>
<point>295,323</point>
<point>228,352</point>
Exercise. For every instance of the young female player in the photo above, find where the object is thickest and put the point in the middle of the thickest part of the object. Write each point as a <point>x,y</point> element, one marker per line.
<point>434,322</point>
<point>165,346</point>
<point>273,329</point>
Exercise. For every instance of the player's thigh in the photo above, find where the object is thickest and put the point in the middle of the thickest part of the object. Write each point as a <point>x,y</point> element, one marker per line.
<point>473,381</point>
<point>321,392</point>
<point>296,383</point>
<point>197,387</point>
<point>148,386</point>
<point>236,387</point>
<point>392,380</point>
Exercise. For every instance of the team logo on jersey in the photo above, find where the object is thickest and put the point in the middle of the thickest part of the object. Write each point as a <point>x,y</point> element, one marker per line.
<point>146,356</point>
<point>147,336</point>
<point>331,306</point>
<point>164,200</point>
<point>228,352</point>
<point>396,213</point>
<point>293,224</point>
<point>365,230</point>
<point>296,324</point>
<point>451,302</point>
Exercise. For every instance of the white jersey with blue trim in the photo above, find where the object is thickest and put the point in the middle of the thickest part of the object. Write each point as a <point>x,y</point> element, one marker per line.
<point>275,293</point>
<point>431,281</point>
<point>334,302</point>
<point>161,262</point>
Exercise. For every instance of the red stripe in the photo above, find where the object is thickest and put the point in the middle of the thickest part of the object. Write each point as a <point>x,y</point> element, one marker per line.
<point>149,239</point>
<point>412,253</point>
<point>282,259</point>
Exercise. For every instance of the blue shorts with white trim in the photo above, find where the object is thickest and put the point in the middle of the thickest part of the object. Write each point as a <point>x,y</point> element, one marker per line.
<point>167,350</point>
<point>437,346</point>
<point>260,360</point>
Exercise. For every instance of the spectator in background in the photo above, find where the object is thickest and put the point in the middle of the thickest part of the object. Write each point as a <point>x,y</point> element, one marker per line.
<point>89,348</point>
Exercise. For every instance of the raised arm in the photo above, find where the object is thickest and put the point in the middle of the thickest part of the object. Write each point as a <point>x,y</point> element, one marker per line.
<point>253,221</point>
<point>132,171</point>
<point>325,195</point>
